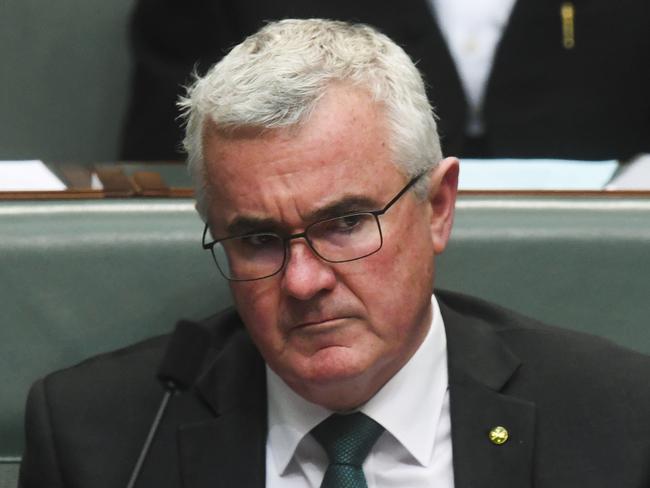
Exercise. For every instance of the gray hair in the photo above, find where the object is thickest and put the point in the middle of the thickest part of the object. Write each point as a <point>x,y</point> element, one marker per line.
<point>276,76</point>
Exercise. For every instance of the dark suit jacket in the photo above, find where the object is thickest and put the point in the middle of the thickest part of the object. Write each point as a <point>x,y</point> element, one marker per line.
<point>577,409</point>
<point>542,100</point>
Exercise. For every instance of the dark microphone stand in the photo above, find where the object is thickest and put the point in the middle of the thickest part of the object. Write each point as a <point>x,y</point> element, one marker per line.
<point>178,370</point>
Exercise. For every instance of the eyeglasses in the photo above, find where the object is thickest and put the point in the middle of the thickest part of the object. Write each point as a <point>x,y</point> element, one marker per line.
<point>336,240</point>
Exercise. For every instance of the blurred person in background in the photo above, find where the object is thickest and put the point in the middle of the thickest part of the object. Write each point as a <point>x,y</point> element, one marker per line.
<point>507,78</point>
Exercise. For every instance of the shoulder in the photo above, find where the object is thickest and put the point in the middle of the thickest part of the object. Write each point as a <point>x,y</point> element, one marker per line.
<point>591,397</point>
<point>127,369</point>
<point>588,398</point>
<point>120,385</point>
<point>551,355</point>
<point>566,374</point>
<point>523,333</point>
<point>106,404</point>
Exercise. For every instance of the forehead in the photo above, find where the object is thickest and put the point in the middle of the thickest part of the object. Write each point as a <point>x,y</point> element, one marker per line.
<point>341,151</point>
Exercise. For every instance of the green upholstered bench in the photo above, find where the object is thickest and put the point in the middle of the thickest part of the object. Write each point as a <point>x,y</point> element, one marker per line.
<point>580,263</point>
<point>81,277</point>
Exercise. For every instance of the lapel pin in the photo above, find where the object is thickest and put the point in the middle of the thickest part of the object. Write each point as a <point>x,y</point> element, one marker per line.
<point>498,435</point>
<point>567,13</point>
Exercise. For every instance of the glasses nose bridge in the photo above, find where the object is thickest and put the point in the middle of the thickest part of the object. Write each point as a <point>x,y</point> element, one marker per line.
<point>298,235</point>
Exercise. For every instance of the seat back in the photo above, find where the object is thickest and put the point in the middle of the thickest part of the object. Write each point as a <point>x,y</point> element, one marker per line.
<point>79,278</point>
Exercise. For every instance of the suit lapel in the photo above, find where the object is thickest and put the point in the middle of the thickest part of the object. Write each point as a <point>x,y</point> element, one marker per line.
<point>224,452</point>
<point>228,449</point>
<point>480,366</point>
<point>479,463</point>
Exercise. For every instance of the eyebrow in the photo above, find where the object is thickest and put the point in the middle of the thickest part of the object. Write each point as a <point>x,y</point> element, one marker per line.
<point>247,225</point>
<point>346,205</point>
<point>349,204</point>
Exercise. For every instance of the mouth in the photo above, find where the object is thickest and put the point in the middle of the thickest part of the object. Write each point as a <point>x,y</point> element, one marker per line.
<point>321,324</point>
<point>318,334</point>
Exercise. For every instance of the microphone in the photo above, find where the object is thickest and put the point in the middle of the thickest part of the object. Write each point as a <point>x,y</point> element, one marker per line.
<point>184,355</point>
<point>181,364</point>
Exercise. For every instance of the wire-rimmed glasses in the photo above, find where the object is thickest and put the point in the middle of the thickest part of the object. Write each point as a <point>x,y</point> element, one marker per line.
<point>260,255</point>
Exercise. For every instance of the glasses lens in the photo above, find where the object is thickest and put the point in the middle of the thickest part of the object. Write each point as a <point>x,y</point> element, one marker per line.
<point>346,238</point>
<point>249,257</point>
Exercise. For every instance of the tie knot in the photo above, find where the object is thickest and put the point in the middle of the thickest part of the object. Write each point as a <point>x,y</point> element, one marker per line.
<point>347,439</point>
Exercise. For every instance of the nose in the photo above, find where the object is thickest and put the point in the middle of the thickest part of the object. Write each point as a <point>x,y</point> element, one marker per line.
<point>305,274</point>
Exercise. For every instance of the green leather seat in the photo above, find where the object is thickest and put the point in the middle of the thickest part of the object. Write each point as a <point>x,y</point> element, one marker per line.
<point>580,263</point>
<point>81,277</point>
<point>78,278</point>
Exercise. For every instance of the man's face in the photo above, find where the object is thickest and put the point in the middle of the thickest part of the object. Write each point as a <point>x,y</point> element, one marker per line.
<point>335,333</point>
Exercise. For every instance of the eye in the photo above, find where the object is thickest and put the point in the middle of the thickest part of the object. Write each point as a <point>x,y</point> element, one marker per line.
<point>259,240</point>
<point>347,222</point>
<point>345,225</point>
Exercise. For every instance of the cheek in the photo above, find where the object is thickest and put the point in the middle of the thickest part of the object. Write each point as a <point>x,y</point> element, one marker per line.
<point>257,304</point>
<point>397,282</point>
<point>407,256</point>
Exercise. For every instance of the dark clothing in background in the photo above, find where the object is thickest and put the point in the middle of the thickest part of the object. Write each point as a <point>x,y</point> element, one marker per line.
<point>577,409</point>
<point>542,100</point>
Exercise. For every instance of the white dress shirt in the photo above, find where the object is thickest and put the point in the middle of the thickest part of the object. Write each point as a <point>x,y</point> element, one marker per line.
<point>472,30</point>
<point>415,449</point>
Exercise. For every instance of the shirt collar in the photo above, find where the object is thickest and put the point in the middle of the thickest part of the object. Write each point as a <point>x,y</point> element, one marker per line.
<point>290,418</point>
<point>418,390</point>
<point>409,405</point>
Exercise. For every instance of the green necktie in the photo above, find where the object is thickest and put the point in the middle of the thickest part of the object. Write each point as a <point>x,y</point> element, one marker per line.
<point>347,439</point>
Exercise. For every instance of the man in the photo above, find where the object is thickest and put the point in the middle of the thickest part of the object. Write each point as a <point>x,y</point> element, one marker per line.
<point>325,195</point>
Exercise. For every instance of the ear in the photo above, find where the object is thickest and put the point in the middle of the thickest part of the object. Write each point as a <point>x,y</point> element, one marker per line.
<point>442,197</point>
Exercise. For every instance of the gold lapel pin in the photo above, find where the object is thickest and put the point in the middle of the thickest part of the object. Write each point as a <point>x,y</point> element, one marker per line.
<point>568,13</point>
<point>498,435</point>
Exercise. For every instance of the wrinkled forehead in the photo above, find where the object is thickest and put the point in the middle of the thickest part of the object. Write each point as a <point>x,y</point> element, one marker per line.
<point>294,191</point>
<point>286,195</point>
<point>343,148</point>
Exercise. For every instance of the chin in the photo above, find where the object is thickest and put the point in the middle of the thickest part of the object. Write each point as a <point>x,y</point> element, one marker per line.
<point>330,371</point>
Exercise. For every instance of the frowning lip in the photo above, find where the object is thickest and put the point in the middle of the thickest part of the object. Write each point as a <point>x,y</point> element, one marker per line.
<point>325,322</point>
